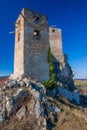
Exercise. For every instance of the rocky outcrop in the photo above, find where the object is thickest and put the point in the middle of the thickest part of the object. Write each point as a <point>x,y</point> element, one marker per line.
<point>23,96</point>
<point>63,71</point>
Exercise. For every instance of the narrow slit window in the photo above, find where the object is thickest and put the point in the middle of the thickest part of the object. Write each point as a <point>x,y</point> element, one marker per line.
<point>18,36</point>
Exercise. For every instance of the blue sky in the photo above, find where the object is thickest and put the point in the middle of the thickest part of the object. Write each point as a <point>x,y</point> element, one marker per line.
<point>69,15</point>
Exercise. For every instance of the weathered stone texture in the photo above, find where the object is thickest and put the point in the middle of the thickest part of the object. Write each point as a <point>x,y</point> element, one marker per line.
<point>33,37</point>
<point>55,39</point>
<point>19,46</point>
<point>31,45</point>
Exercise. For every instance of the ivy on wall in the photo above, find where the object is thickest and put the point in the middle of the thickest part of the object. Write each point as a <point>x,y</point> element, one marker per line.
<point>49,84</point>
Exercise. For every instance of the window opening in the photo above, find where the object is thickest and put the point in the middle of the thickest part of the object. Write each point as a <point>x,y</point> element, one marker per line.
<point>18,36</point>
<point>37,34</point>
<point>53,30</point>
<point>36,20</point>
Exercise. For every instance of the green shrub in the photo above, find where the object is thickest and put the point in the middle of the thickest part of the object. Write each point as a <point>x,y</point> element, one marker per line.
<point>49,84</point>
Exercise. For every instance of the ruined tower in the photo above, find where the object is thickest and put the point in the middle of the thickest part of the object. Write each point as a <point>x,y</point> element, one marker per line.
<point>55,38</point>
<point>31,45</point>
<point>63,70</point>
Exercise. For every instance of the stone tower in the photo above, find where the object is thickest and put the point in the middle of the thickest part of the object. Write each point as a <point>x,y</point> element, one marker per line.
<point>31,45</point>
<point>63,70</point>
<point>55,39</point>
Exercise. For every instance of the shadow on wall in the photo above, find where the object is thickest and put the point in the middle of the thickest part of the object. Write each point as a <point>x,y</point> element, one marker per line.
<point>63,72</point>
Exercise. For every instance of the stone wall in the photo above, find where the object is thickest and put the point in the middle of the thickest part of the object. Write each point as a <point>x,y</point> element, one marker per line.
<point>31,45</point>
<point>55,39</point>
<point>19,46</point>
<point>36,46</point>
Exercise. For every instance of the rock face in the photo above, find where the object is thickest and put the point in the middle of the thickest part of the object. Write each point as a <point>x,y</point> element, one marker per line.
<point>73,96</point>
<point>24,96</point>
<point>21,113</point>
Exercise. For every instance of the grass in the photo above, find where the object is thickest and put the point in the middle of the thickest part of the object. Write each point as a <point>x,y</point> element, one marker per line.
<point>70,121</point>
<point>80,82</point>
<point>81,85</point>
<point>13,124</point>
<point>71,118</point>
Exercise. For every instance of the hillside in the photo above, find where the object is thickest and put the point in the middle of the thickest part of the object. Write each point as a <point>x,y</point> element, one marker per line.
<point>2,80</point>
<point>81,85</point>
<point>71,117</point>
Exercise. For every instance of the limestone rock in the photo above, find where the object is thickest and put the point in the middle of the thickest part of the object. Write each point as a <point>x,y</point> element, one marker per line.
<point>11,83</point>
<point>22,83</point>
<point>31,99</point>
<point>21,113</point>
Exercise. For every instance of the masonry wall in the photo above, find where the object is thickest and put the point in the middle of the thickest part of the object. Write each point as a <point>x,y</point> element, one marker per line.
<point>19,46</point>
<point>55,38</point>
<point>32,47</point>
<point>36,47</point>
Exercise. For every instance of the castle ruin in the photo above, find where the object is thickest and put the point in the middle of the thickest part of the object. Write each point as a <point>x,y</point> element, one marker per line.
<point>33,36</point>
